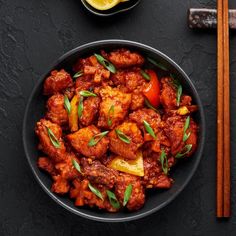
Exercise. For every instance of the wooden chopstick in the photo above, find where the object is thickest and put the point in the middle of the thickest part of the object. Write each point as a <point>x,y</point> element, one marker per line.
<point>220,105</point>
<point>223,111</point>
<point>226,153</point>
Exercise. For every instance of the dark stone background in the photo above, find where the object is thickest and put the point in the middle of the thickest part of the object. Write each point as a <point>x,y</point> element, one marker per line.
<point>34,33</point>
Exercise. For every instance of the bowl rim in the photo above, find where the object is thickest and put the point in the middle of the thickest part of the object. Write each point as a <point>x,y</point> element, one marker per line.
<point>125,43</point>
<point>103,13</point>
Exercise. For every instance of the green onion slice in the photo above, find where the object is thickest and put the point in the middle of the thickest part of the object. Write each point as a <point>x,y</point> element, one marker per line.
<point>179,89</point>
<point>86,93</point>
<point>110,115</point>
<point>157,64</point>
<point>80,106</point>
<point>164,162</point>
<point>186,126</point>
<point>96,138</point>
<point>128,192</point>
<point>149,105</point>
<point>53,138</point>
<point>76,165</point>
<point>67,104</point>
<point>179,94</point>
<point>145,75</point>
<point>78,74</point>
<point>122,136</point>
<point>186,136</point>
<point>149,129</point>
<point>187,148</point>
<point>112,199</point>
<point>108,65</point>
<point>95,191</point>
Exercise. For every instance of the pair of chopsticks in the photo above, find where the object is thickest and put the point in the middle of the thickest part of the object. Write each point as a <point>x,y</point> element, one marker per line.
<point>223,111</point>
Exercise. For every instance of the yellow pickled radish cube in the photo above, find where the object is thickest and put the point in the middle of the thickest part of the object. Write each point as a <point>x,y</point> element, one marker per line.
<point>103,4</point>
<point>134,167</point>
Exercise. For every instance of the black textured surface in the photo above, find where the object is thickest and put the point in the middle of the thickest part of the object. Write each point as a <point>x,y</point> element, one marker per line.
<point>33,35</point>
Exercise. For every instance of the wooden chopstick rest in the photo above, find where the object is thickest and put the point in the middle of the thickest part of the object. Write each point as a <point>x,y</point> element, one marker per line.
<point>207,18</point>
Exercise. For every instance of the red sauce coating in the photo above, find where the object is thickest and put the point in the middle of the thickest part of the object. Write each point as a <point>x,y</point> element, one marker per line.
<point>117,106</point>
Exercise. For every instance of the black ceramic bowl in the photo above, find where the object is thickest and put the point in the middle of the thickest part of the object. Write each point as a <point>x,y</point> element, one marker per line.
<point>155,199</point>
<point>121,7</point>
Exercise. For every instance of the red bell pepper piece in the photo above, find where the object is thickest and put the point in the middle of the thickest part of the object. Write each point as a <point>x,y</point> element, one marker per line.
<point>152,92</point>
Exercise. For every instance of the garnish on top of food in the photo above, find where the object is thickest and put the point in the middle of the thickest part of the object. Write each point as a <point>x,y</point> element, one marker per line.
<point>113,128</point>
<point>104,4</point>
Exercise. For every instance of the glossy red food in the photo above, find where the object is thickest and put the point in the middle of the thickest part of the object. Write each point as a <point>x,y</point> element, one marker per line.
<point>152,92</point>
<point>98,126</point>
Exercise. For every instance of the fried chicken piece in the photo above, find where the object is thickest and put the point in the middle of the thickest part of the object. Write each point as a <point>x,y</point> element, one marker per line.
<point>81,63</point>
<point>131,81</point>
<point>56,111</point>
<point>123,58</point>
<point>90,111</point>
<point>113,97</point>
<point>97,173</point>
<point>57,82</point>
<point>92,68</point>
<point>119,78</point>
<point>97,70</point>
<point>60,185</point>
<point>148,115</point>
<point>174,130</point>
<point>45,144</point>
<point>138,99</point>
<point>65,173</point>
<point>80,192</point>
<point>126,150</point>
<point>93,73</point>
<point>154,120</point>
<point>62,173</point>
<point>169,95</point>
<point>137,198</point>
<point>154,148</point>
<point>159,143</point>
<point>84,83</point>
<point>47,165</point>
<point>153,174</point>
<point>66,168</point>
<point>185,100</point>
<point>80,140</point>
<point>83,195</point>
